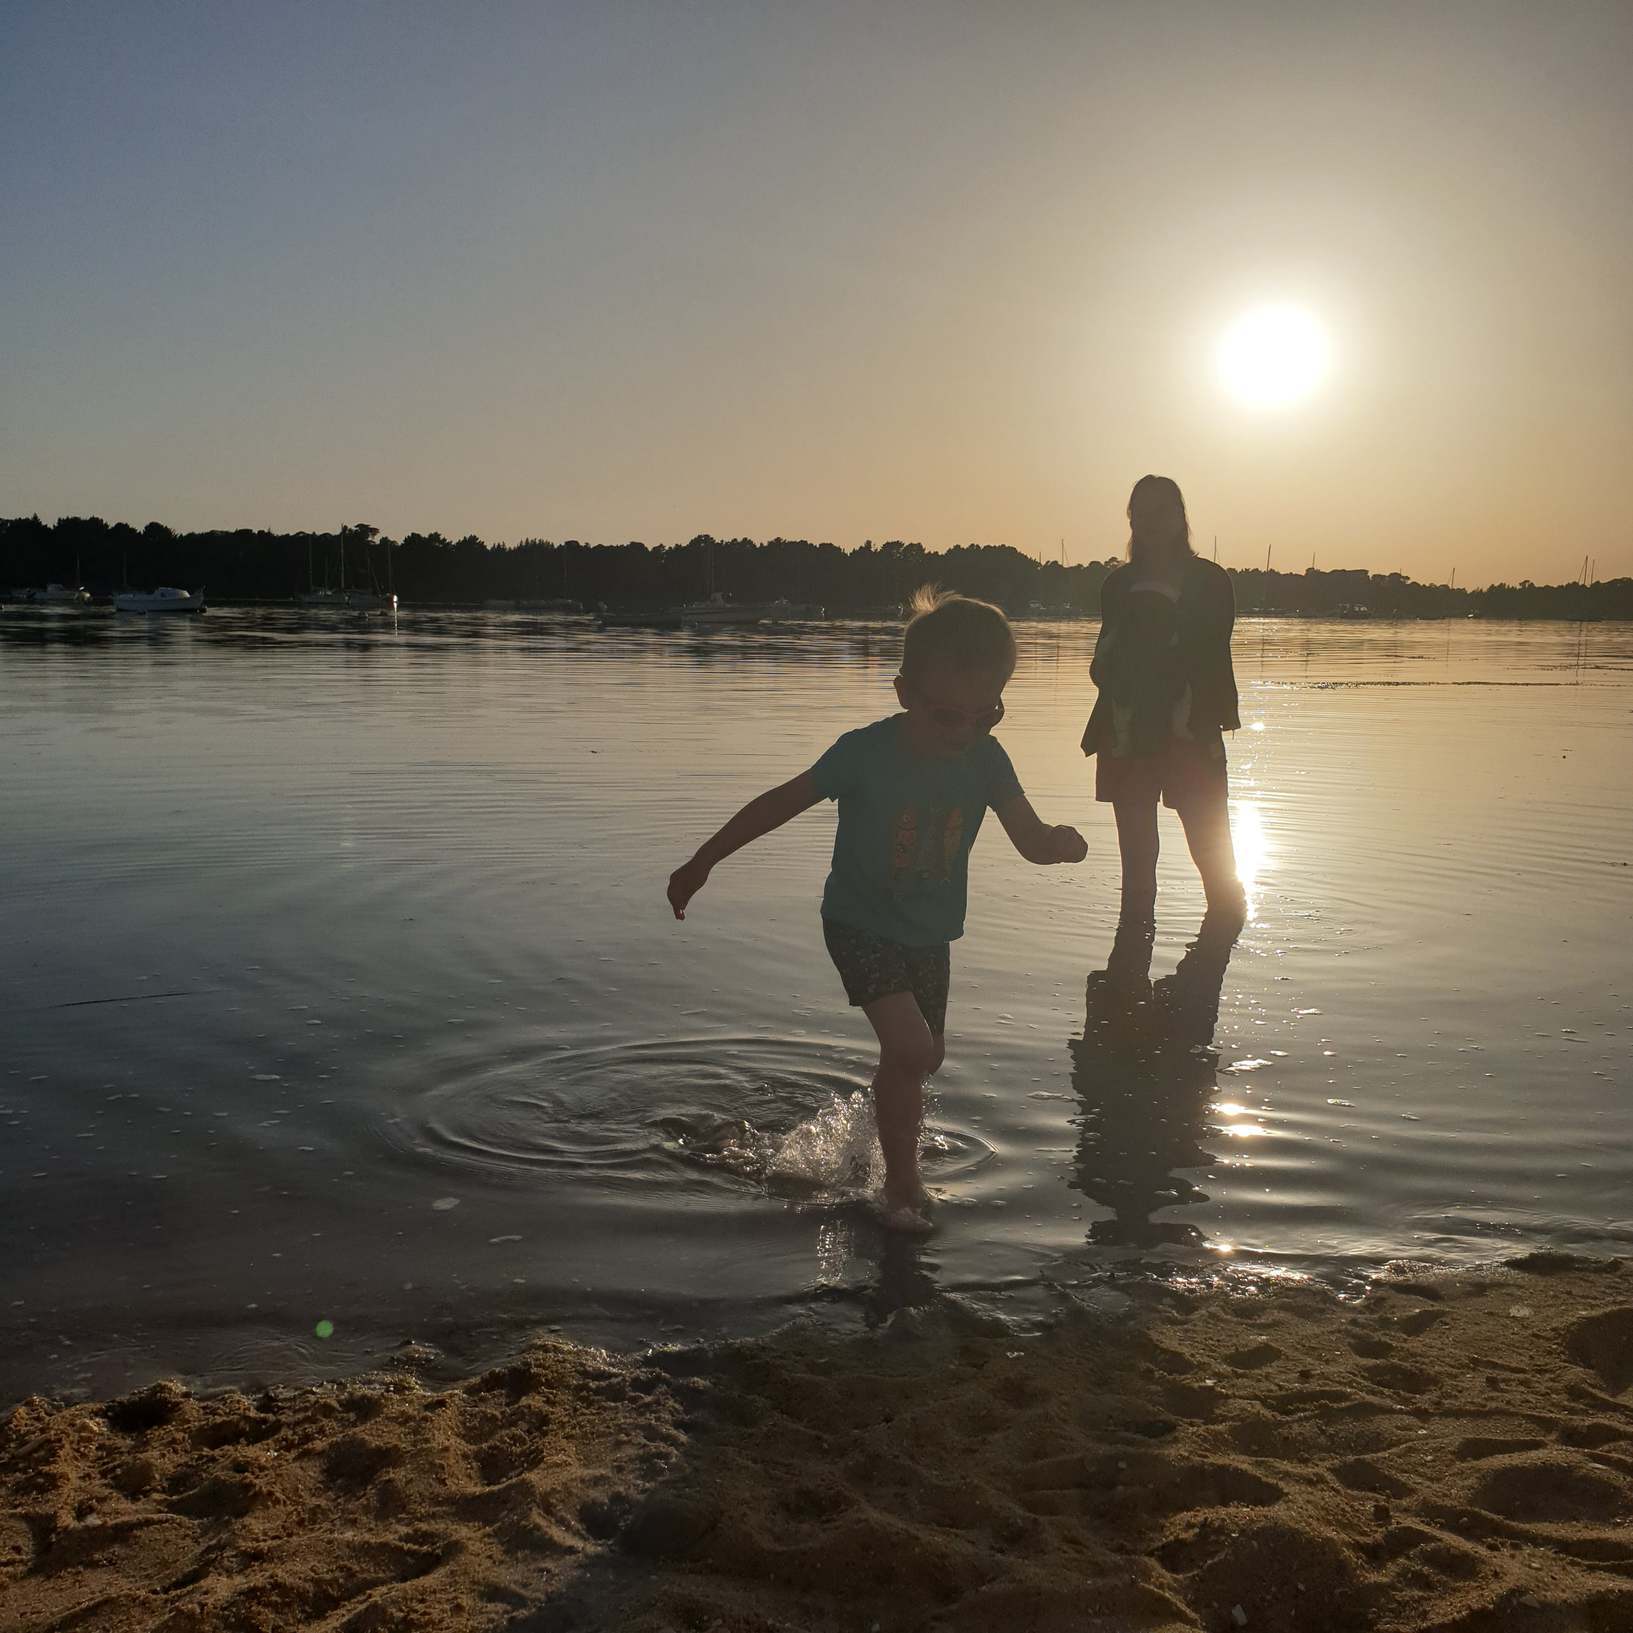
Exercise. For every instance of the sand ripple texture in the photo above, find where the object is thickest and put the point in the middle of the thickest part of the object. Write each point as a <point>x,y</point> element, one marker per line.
<point>380,1505</point>
<point>1450,1454</point>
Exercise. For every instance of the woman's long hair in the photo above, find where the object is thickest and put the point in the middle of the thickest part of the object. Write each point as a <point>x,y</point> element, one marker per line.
<point>1156,494</point>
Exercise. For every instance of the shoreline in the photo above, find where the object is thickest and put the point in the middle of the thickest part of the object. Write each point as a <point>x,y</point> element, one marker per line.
<point>1449,1451</point>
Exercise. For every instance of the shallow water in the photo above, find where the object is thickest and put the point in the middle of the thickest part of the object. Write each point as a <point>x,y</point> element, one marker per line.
<point>339,986</point>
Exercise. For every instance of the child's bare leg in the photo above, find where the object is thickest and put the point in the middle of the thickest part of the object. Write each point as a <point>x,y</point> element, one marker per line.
<point>908,1053</point>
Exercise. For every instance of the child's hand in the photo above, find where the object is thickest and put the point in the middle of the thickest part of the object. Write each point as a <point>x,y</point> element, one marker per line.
<point>684,884</point>
<point>1067,844</point>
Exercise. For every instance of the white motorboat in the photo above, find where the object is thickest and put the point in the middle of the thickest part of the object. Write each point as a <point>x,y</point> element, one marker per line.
<point>163,599</point>
<point>56,595</point>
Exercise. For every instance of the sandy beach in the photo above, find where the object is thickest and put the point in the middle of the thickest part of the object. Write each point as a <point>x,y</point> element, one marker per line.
<point>1447,1453</point>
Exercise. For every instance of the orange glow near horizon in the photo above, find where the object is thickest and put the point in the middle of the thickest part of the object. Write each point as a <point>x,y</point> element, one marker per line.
<point>618,273</point>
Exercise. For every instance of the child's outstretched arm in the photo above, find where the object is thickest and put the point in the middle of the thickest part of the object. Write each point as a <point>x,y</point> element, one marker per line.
<point>770,810</point>
<point>1034,838</point>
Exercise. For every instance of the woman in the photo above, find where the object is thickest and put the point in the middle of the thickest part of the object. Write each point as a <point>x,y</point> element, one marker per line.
<point>1167,694</point>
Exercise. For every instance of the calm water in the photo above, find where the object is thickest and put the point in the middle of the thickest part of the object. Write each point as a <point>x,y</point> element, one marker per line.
<point>339,986</point>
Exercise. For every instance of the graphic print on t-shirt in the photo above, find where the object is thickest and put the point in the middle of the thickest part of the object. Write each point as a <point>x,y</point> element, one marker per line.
<point>904,842</point>
<point>952,835</point>
<point>925,845</point>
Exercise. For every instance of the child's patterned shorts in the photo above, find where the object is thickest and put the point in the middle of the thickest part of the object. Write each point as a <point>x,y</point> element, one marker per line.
<point>873,968</point>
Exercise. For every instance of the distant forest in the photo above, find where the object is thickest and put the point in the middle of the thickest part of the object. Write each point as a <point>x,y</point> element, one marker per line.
<point>426,568</point>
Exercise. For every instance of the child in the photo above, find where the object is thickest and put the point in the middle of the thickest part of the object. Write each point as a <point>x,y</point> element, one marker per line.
<point>912,790</point>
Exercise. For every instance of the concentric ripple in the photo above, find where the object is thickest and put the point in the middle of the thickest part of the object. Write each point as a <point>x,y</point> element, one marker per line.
<point>792,1115</point>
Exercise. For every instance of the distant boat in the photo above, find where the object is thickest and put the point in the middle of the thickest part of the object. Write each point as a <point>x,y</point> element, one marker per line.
<point>315,597</point>
<point>344,600</point>
<point>562,605</point>
<point>350,600</point>
<point>55,595</point>
<point>638,618</point>
<point>370,601</point>
<point>718,610</point>
<point>715,613</point>
<point>164,599</point>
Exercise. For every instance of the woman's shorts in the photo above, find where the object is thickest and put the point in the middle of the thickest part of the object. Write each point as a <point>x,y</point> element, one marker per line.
<point>873,968</point>
<point>1183,774</point>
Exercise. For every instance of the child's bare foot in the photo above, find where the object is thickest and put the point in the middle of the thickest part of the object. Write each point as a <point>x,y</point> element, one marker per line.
<point>905,1217</point>
<point>906,1209</point>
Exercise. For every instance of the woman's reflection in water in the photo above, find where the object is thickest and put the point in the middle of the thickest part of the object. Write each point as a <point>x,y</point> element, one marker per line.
<point>1146,1071</point>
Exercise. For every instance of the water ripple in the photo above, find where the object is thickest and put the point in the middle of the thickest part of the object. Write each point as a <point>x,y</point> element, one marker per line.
<point>784,1113</point>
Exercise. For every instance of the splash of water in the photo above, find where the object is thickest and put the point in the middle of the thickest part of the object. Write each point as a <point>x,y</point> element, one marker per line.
<point>836,1150</point>
<point>834,1153</point>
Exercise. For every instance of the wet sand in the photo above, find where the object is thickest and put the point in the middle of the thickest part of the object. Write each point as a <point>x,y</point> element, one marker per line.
<point>1449,1453</point>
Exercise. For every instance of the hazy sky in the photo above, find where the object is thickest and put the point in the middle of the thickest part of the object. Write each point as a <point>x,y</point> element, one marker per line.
<point>932,271</point>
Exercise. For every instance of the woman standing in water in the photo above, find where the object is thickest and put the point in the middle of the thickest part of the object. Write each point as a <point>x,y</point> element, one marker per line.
<point>1167,695</point>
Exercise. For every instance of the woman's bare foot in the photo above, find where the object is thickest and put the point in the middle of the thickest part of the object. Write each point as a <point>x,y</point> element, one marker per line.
<point>1228,913</point>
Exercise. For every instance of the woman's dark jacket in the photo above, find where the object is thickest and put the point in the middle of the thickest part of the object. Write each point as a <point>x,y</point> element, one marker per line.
<point>1205,614</point>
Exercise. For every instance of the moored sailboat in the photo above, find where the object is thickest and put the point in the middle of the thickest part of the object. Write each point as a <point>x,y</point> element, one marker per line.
<point>356,599</point>
<point>165,599</point>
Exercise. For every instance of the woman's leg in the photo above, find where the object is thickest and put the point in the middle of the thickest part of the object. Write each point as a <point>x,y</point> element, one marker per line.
<point>1205,815</point>
<point>1137,840</point>
<point>1129,965</point>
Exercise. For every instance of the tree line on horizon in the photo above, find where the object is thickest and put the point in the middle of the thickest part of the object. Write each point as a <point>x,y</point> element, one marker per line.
<point>252,564</point>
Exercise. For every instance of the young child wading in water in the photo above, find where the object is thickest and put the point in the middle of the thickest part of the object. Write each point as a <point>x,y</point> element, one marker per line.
<point>912,790</point>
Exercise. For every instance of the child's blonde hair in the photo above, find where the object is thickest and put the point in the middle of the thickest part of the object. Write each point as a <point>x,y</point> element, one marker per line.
<point>957,630</point>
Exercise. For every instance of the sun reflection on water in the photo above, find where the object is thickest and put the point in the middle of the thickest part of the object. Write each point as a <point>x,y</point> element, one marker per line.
<point>1253,848</point>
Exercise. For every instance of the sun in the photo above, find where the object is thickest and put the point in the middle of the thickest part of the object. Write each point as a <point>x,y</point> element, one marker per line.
<point>1273,356</point>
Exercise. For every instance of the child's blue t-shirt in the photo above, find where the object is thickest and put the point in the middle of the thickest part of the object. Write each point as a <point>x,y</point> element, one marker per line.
<point>906,825</point>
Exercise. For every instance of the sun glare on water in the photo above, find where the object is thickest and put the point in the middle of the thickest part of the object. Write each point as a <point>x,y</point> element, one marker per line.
<point>1273,356</point>
<point>1252,844</point>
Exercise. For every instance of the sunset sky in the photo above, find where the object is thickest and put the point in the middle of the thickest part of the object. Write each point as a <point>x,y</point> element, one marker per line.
<point>932,271</point>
